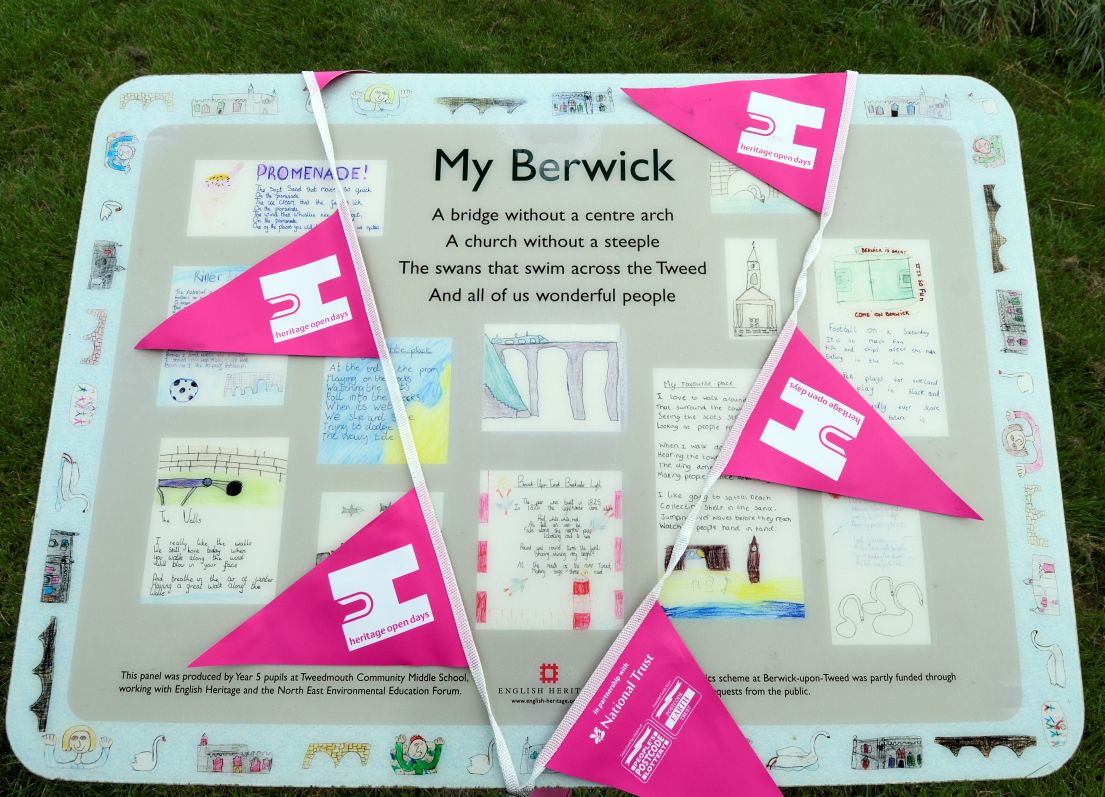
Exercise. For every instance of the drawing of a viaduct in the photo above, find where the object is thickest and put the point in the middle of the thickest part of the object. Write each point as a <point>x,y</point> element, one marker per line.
<point>501,398</point>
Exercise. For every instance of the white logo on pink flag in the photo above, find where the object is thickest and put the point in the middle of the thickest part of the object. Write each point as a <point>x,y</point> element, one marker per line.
<point>371,583</point>
<point>781,119</point>
<point>299,290</point>
<point>379,599</point>
<point>296,301</point>
<point>788,132</point>
<point>817,439</point>
<point>653,725</point>
<point>801,426</point>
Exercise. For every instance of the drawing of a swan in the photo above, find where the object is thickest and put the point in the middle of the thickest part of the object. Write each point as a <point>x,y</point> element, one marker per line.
<point>796,757</point>
<point>848,626</point>
<point>480,764</point>
<point>1056,669</point>
<point>881,596</point>
<point>899,622</point>
<point>146,760</point>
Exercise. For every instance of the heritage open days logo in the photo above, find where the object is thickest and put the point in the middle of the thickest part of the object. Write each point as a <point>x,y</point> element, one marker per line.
<point>775,140</point>
<point>372,584</point>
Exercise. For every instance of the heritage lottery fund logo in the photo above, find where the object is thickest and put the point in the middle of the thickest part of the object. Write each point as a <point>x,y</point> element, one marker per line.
<point>371,584</point>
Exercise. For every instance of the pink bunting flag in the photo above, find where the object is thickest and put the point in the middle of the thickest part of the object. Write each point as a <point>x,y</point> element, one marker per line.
<point>304,299</point>
<point>655,726</point>
<point>784,131</point>
<point>325,78</point>
<point>804,425</point>
<point>379,599</point>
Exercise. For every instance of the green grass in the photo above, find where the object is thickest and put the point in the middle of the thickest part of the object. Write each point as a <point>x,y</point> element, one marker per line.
<point>60,58</point>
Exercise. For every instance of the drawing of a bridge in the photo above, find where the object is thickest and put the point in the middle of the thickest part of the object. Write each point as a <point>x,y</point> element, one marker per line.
<point>501,398</point>
<point>481,104</point>
<point>985,744</point>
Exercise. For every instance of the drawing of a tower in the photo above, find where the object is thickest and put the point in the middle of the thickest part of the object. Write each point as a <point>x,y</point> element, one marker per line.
<point>754,310</point>
<point>754,561</point>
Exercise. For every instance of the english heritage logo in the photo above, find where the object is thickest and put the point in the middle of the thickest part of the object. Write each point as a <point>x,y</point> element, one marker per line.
<point>305,311</point>
<point>372,584</point>
<point>809,441</point>
<point>775,140</point>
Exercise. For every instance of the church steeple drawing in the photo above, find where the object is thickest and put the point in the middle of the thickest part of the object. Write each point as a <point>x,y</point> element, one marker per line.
<point>753,310</point>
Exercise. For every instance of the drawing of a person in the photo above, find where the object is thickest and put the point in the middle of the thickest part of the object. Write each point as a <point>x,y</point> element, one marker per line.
<point>1015,441</point>
<point>121,149</point>
<point>414,758</point>
<point>78,744</point>
<point>379,100</point>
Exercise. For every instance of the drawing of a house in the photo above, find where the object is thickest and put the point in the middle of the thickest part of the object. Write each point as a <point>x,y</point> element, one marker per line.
<point>754,310</point>
<point>873,277</point>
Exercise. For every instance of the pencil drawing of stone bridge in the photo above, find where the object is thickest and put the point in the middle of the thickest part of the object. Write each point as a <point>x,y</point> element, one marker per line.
<point>481,104</point>
<point>498,405</point>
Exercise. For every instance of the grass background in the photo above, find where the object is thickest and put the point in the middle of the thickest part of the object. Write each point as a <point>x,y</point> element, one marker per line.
<point>60,58</point>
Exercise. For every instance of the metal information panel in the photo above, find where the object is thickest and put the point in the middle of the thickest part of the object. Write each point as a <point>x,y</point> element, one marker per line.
<point>577,299</point>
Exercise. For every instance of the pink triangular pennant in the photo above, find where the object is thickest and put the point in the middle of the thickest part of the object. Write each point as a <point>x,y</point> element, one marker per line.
<point>784,131</point>
<point>808,427</point>
<point>303,299</point>
<point>325,78</point>
<point>655,726</point>
<point>379,599</point>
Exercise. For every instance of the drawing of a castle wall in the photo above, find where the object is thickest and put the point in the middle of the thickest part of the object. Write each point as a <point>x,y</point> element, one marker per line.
<point>242,103</point>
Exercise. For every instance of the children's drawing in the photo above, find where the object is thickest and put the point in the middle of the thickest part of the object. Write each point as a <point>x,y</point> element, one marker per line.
<point>58,569</point>
<point>336,751</point>
<point>146,760</point>
<point>121,149</point>
<point>241,103</point>
<point>1023,379</point>
<point>215,520</point>
<point>997,240</point>
<point>481,104</point>
<point>891,611</point>
<point>917,106</point>
<point>876,573</point>
<point>746,558</point>
<point>80,748</point>
<point>876,303</point>
<point>415,757</point>
<point>887,752</point>
<point>191,378</point>
<point>1056,669</point>
<point>286,197</point>
<point>529,756</point>
<point>380,100</point>
<point>146,98</point>
<point>553,561</point>
<point>988,151</point>
<point>553,378</point>
<point>109,208</point>
<point>96,336</point>
<point>343,514</point>
<point>358,426</point>
<point>105,262</point>
<point>989,105</point>
<point>1021,439</point>
<point>82,404</point>
<point>44,671</point>
<point>752,282</point>
<point>1045,587</point>
<point>1055,724</point>
<point>1014,331</point>
<point>1032,516</point>
<point>568,103</point>
<point>796,758</point>
<point>231,759</point>
<point>481,763</point>
<point>733,190</point>
<point>986,744</point>
<point>69,484</point>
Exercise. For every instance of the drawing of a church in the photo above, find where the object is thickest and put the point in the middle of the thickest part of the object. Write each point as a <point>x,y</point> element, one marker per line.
<point>754,310</point>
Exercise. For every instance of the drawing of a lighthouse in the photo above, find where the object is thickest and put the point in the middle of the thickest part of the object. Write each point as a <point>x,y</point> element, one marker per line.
<point>754,561</point>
